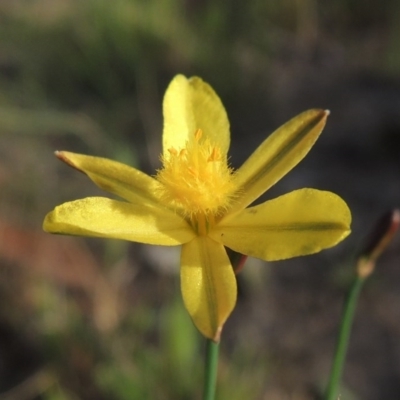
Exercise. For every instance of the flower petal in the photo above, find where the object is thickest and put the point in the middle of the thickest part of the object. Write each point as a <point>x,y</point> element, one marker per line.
<point>208,285</point>
<point>102,217</point>
<point>114,177</point>
<point>189,105</point>
<point>301,222</point>
<point>277,155</point>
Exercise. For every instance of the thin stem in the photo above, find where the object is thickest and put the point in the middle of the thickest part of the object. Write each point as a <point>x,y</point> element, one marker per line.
<point>343,339</point>
<point>210,379</point>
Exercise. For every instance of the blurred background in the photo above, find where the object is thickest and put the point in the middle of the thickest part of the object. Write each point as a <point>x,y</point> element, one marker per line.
<point>100,319</point>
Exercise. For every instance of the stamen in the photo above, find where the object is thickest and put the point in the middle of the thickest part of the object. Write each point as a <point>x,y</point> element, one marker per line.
<point>197,181</point>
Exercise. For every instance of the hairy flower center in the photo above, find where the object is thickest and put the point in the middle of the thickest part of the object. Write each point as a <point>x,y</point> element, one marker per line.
<point>197,179</point>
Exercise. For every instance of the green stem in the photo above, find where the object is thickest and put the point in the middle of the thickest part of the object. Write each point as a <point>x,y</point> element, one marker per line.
<point>210,379</point>
<point>343,339</point>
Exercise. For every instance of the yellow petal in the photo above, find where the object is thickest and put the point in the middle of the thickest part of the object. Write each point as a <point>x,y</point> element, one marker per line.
<point>301,222</point>
<point>102,217</point>
<point>114,177</point>
<point>277,155</point>
<point>189,105</point>
<point>208,285</point>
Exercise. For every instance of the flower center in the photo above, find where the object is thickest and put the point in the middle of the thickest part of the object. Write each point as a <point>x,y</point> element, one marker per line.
<point>197,180</point>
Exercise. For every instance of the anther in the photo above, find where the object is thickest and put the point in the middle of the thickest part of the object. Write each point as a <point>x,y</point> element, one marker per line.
<point>215,155</point>
<point>198,134</point>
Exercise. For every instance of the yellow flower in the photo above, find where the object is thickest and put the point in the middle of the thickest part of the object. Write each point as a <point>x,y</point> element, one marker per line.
<point>196,200</point>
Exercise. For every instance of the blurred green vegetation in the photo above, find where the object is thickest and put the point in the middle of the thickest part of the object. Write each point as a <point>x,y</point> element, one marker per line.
<point>89,76</point>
